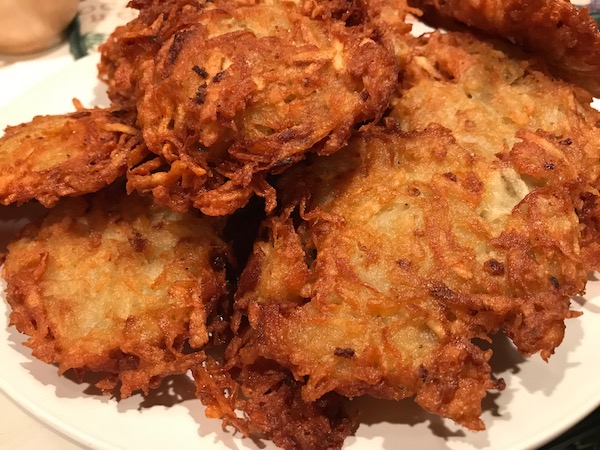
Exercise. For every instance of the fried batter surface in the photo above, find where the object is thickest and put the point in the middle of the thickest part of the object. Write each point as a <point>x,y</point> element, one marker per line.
<point>65,155</point>
<point>420,195</point>
<point>473,212</point>
<point>238,90</point>
<point>500,103</point>
<point>272,406</point>
<point>398,262</point>
<point>118,286</point>
<point>556,29</point>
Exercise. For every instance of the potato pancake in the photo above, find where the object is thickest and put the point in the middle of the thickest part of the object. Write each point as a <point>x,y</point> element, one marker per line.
<point>500,103</point>
<point>393,257</point>
<point>113,284</point>
<point>65,155</point>
<point>557,30</point>
<point>239,90</point>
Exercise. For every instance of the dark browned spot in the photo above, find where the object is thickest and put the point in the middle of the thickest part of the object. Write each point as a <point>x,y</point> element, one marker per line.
<point>549,166</point>
<point>310,256</point>
<point>494,267</point>
<point>554,282</point>
<point>176,46</point>
<point>200,71</point>
<point>403,263</point>
<point>450,176</point>
<point>472,183</point>
<point>344,352</point>
<point>567,141</point>
<point>283,162</point>
<point>201,94</point>
<point>119,113</point>
<point>251,274</point>
<point>499,384</point>
<point>138,242</point>
<point>80,114</point>
<point>364,96</point>
<point>128,362</point>
<point>589,201</point>
<point>414,192</point>
<point>218,261</point>
<point>440,291</point>
<point>288,135</point>
<point>121,361</point>
<point>218,77</point>
<point>423,373</point>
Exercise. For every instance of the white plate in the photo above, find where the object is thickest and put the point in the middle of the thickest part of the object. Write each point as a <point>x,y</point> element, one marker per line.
<point>541,400</point>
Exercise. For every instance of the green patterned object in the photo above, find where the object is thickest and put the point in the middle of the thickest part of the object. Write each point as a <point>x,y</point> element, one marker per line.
<point>75,42</point>
<point>95,21</point>
<point>93,39</point>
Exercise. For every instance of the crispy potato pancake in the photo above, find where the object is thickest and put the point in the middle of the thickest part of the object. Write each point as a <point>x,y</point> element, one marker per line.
<point>389,19</point>
<point>272,405</point>
<point>500,103</point>
<point>113,284</point>
<point>239,90</point>
<point>137,42</point>
<point>416,196</point>
<point>406,249</point>
<point>64,155</point>
<point>566,36</point>
<point>474,211</point>
<point>131,46</point>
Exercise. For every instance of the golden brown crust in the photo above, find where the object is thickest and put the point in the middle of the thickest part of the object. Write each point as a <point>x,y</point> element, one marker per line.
<point>566,36</point>
<point>389,19</point>
<point>65,155</point>
<point>503,217</point>
<point>272,406</point>
<point>138,41</point>
<point>238,90</point>
<point>499,102</point>
<point>117,286</point>
<point>408,249</point>
<point>400,245</point>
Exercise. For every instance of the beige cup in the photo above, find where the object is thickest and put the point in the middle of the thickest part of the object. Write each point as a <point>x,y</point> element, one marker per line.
<point>28,26</point>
